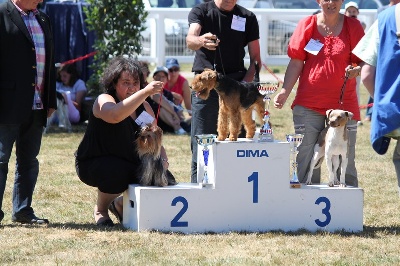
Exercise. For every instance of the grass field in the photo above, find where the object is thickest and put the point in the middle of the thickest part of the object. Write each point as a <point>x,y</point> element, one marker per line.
<point>73,239</point>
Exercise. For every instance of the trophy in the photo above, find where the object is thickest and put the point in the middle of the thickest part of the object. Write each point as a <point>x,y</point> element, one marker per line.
<point>206,140</point>
<point>266,130</point>
<point>294,141</point>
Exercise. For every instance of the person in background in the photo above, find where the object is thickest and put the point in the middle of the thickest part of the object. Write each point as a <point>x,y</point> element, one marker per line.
<point>351,10</point>
<point>316,12</point>
<point>106,157</point>
<point>380,50</point>
<point>391,3</point>
<point>73,90</point>
<point>178,85</point>
<point>219,31</point>
<point>170,120</point>
<point>320,57</point>
<point>27,98</point>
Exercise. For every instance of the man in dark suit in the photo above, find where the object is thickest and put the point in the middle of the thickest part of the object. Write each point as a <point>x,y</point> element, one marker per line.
<point>27,98</point>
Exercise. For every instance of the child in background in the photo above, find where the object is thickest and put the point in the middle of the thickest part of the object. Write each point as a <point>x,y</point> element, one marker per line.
<point>73,89</point>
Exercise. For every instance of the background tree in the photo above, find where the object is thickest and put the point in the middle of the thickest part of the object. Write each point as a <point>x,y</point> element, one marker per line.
<point>117,25</point>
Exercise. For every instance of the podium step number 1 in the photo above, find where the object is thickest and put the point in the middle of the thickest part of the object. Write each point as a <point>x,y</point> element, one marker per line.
<point>248,189</point>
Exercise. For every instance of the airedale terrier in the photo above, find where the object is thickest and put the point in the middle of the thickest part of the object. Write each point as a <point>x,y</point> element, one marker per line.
<point>236,102</point>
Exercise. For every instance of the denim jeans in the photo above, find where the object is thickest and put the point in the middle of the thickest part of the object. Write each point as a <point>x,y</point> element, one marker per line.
<point>204,121</point>
<point>27,138</point>
<point>311,123</point>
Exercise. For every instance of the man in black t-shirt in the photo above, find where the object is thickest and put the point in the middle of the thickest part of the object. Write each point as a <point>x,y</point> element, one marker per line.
<point>219,31</point>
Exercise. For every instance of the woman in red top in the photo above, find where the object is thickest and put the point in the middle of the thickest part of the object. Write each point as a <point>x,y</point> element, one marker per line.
<point>178,85</point>
<point>320,57</point>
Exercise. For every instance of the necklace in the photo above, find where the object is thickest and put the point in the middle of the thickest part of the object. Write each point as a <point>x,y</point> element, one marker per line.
<point>329,31</point>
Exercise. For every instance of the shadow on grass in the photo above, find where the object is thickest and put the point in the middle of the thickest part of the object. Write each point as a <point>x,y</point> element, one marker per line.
<point>69,226</point>
<point>368,231</point>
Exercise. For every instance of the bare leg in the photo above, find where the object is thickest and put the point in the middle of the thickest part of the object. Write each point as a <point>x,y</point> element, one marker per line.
<point>101,208</point>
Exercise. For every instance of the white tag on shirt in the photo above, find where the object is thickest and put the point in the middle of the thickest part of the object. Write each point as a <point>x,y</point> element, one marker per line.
<point>313,47</point>
<point>238,23</point>
<point>144,119</point>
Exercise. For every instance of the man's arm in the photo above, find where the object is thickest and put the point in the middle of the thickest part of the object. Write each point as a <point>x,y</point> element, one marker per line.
<point>368,77</point>
<point>254,53</point>
<point>194,41</point>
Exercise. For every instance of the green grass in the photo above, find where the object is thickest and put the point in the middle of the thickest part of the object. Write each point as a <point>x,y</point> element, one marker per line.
<point>73,239</point>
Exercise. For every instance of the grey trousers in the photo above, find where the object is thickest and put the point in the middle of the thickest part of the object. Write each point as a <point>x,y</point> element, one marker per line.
<point>311,123</point>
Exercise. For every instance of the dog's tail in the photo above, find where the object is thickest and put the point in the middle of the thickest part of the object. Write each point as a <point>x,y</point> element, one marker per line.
<point>257,73</point>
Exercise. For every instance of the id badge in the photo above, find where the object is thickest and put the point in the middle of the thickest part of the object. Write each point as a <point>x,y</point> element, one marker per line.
<point>313,46</point>
<point>238,23</point>
<point>144,119</point>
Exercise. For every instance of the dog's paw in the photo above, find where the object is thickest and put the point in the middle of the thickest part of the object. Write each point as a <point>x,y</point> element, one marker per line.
<point>342,185</point>
<point>220,138</point>
<point>308,182</point>
<point>331,184</point>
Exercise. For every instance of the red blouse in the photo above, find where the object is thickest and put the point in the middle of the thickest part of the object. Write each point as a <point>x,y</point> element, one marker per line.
<point>178,86</point>
<point>323,75</point>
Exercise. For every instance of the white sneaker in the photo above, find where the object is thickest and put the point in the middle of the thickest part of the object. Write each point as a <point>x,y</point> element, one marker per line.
<point>180,131</point>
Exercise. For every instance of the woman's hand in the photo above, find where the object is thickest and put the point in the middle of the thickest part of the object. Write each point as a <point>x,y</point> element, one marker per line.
<point>154,87</point>
<point>352,72</point>
<point>280,98</point>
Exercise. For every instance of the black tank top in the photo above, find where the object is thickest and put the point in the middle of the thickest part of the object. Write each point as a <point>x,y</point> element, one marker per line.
<point>105,139</point>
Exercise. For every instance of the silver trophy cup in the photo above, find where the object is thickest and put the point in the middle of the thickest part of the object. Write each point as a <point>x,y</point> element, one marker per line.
<point>206,140</point>
<point>294,141</point>
<point>266,130</point>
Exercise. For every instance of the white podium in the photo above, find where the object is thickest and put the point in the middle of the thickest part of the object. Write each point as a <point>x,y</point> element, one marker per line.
<point>250,192</point>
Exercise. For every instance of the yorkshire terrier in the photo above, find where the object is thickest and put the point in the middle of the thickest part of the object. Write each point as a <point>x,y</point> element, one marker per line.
<point>152,171</point>
<point>236,102</point>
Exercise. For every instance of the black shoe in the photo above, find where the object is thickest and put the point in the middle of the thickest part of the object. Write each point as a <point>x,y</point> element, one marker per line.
<point>114,211</point>
<point>29,219</point>
<point>106,223</point>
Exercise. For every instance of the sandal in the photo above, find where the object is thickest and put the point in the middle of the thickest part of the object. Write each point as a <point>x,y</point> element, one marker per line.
<point>114,211</point>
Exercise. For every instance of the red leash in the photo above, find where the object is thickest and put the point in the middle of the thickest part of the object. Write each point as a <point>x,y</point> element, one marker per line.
<point>159,107</point>
<point>273,74</point>
<point>76,59</point>
<point>365,106</point>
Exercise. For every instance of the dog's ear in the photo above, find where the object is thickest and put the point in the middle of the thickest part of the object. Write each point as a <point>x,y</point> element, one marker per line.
<point>349,115</point>
<point>211,75</point>
<point>328,112</point>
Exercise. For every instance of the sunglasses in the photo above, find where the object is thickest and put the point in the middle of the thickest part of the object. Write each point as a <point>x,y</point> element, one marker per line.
<point>173,69</point>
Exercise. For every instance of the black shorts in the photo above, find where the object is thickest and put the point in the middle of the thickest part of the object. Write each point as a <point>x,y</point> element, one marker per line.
<point>109,174</point>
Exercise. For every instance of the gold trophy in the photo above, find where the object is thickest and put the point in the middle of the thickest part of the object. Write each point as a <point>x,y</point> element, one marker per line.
<point>206,140</point>
<point>294,141</point>
<point>266,130</point>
